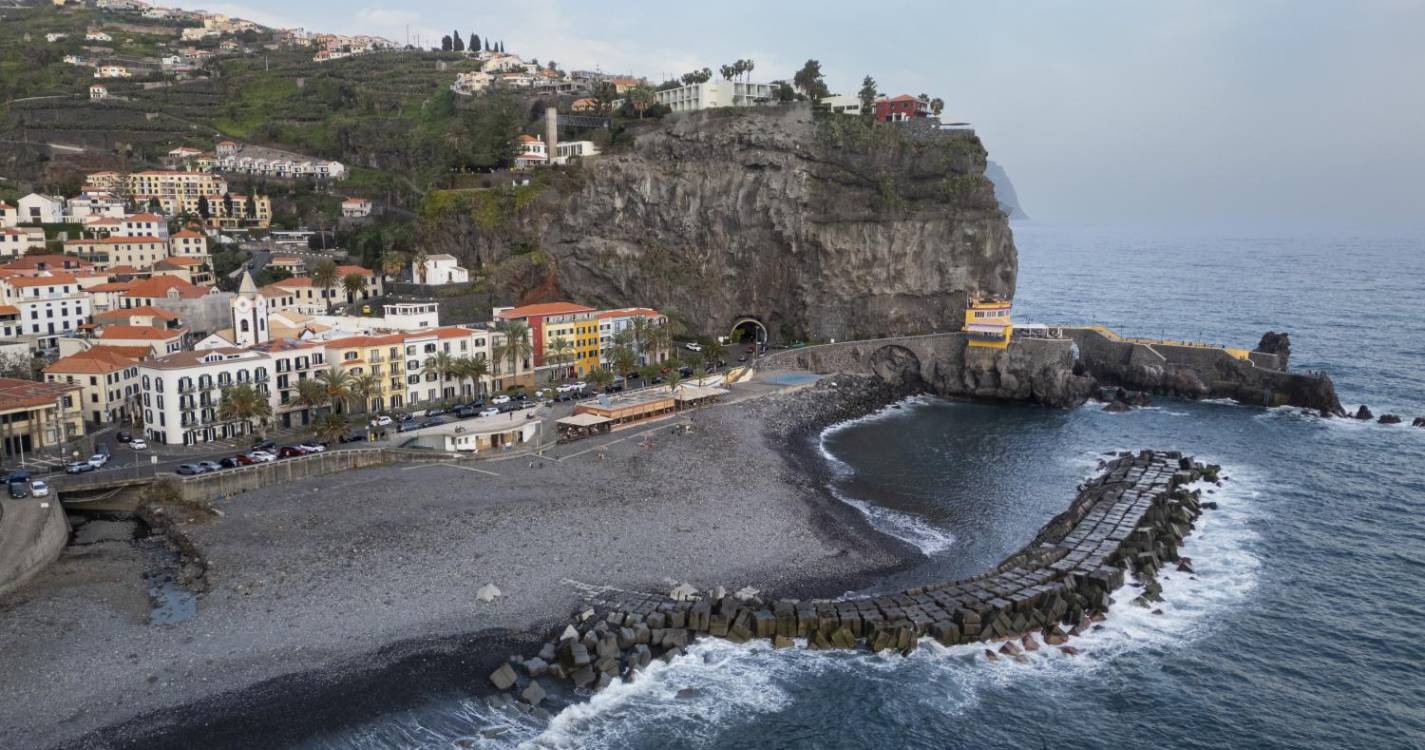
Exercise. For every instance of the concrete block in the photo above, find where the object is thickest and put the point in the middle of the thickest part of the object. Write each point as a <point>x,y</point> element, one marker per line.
<point>504,677</point>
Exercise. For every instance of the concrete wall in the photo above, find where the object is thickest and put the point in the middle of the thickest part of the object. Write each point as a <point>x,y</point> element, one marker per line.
<point>31,537</point>
<point>236,481</point>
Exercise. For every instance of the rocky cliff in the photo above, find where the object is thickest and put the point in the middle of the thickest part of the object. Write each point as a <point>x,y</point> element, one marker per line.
<point>818,227</point>
<point>1004,191</point>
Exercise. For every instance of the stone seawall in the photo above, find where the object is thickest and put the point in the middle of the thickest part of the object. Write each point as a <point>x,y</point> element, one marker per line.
<point>1063,370</point>
<point>1128,521</point>
<point>32,535</point>
<point>1038,370</point>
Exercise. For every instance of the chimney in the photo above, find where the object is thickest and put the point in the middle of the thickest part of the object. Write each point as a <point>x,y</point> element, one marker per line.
<point>551,133</point>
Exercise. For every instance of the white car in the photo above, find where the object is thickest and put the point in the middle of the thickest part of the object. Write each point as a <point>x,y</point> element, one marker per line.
<point>692,347</point>
<point>98,460</point>
<point>382,421</point>
<point>581,385</point>
<point>500,400</point>
<point>490,413</point>
<point>39,489</point>
<point>138,444</point>
<point>263,456</point>
<point>312,447</point>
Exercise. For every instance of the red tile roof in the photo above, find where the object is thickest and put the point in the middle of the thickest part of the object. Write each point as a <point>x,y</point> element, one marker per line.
<point>99,360</point>
<point>138,333</point>
<point>141,310</point>
<point>51,280</point>
<point>544,308</point>
<point>23,394</point>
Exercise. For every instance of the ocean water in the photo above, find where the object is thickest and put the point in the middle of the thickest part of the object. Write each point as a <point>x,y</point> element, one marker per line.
<point>1301,628</point>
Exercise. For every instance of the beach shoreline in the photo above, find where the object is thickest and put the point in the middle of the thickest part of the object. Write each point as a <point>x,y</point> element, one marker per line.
<point>741,500</point>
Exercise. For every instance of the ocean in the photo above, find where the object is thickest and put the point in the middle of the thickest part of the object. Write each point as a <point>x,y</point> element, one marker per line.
<point>1300,629</point>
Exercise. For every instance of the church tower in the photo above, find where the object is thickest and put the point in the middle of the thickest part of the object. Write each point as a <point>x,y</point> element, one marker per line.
<point>249,310</point>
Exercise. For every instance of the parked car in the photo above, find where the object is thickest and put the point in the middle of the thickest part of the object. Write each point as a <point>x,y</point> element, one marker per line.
<point>382,421</point>
<point>207,466</point>
<point>123,437</point>
<point>19,489</point>
<point>290,451</point>
<point>742,358</point>
<point>491,412</point>
<point>405,418</point>
<point>407,426</point>
<point>246,460</point>
<point>359,437</point>
<point>18,475</point>
<point>264,445</point>
<point>231,462</point>
<point>98,459</point>
<point>38,488</point>
<point>138,444</point>
<point>188,470</point>
<point>693,346</point>
<point>263,456</point>
<point>437,411</point>
<point>315,447</point>
<point>465,412</point>
<point>77,467</point>
<point>477,404</point>
<point>501,399</point>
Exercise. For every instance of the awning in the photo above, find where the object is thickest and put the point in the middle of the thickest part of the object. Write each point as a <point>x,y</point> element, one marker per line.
<point>583,420</point>
<point>698,393</point>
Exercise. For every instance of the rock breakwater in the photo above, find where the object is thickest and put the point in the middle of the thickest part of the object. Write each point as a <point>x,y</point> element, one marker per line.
<point>1127,522</point>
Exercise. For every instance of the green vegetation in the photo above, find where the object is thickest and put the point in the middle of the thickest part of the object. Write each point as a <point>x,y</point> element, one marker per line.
<point>490,209</point>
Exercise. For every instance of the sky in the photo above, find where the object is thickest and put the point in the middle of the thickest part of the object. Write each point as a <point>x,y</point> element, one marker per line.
<point>1099,110</point>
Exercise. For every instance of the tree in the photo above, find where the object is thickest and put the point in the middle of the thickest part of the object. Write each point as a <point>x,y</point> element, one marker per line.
<point>311,395</point>
<point>204,210</point>
<point>868,96</point>
<point>600,377</point>
<point>937,105</point>
<point>484,138</point>
<point>673,378</point>
<point>560,352</point>
<point>154,206</point>
<point>747,66</point>
<point>784,91</point>
<point>728,71</point>
<point>363,387</point>
<point>251,207</point>
<point>324,276</point>
<point>697,76</point>
<point>418,266</point>
<point>474,42</point>
<point>641,97</point>
<point>392,261</point>
<point>487,45</point>
<point>552,65</point>
<point>502,45</point>
<point>647,373</point>
<point>477,368</point>
<point>227,205</point>
<point>623,359</point>
<point>329,428</point>
<point>355,284</point>
<point>443,365</point>
<point>337,384</point>
<point>516,347</point>
<point>445,44</point>
<point>244,403</point>
<point>715,353</point>
<point>457,44</point>
<point>605,92</point>
<point>811,82</point>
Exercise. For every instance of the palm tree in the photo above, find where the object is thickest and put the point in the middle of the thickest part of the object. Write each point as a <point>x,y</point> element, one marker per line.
<point>641,97</point>
<point>560,352</point>
<point>243,402</point>
<point>623,359</point>
<point>477,368</point>
<point>363,387</point>
<point>674,376</point>
<point>418,267</point>
<point>392,261</point>
<point>647,373</point>
<point>443,365</point>
<point>715,353</point>
<point>311,394</point>
<point>600,377</point>
<point>330,428</point>
<point>324,277</point>
<point>516,347</point>
<point>354,283</point>
<point>337,384</point>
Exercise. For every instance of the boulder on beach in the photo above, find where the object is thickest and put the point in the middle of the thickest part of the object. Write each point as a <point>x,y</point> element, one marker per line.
<point>683,592</point>
<point>488,593</point>
<point>503,678</point>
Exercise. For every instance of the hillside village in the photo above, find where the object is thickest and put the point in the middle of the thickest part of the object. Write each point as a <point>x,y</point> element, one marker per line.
<point>188,285</point>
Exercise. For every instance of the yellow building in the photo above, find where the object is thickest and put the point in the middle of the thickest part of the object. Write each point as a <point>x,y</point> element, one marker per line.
<point>988,323</point>
<point>580,333</point>
<point>381,357</point>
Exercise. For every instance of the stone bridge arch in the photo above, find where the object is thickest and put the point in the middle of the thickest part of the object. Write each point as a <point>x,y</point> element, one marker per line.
<point>896,365</point>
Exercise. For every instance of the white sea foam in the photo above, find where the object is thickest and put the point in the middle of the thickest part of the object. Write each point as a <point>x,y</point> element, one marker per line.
<point>907,527</point>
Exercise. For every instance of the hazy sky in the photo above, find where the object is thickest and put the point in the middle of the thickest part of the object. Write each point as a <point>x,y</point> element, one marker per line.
<point>1099,111</point>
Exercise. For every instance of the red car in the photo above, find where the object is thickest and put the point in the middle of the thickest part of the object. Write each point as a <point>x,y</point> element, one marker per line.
<point>246,460</point>
<point>290,451</point>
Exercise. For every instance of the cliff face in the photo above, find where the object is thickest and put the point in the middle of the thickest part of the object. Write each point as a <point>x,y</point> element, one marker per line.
<point>1004,191</point>
<point>817,227</point>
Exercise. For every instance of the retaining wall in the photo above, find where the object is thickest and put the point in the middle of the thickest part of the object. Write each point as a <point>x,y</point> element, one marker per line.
<point>1129,520</point>
<point>31,537</point>
<point>246,478</point>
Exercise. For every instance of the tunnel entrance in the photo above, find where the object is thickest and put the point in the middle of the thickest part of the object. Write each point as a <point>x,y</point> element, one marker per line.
<point>748,331</point>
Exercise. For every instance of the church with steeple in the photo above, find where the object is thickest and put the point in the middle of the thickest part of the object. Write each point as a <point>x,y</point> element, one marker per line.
<point>249,311</point>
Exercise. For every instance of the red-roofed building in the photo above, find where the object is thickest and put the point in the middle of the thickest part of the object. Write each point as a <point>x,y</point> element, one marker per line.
<point>38,415</point>
<point>612,323</point>
<point>161,339</point>
<point>51,305</point>
<point>902,108</point>
<point>564,337</point>
<point>111,252</point>
<point>108,381</point>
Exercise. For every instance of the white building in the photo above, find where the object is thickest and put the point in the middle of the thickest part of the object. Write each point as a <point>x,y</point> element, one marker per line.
<point>842,104</point>
<point>41,209</point>
<point>98,93</point>
<point>443,269</point>
<point>249,314</point>
<point>48,306</point>
<point>98,36</point>
<point>411,316</point>
<point>9,215</point>
<point>182,393</point>
<point>92,205</point>
<point>613,322</point>
<point>698,96</point>
<point>355,208</point>
<point>188,244</point>
<point>15,242</point>
<point>112,71</point>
